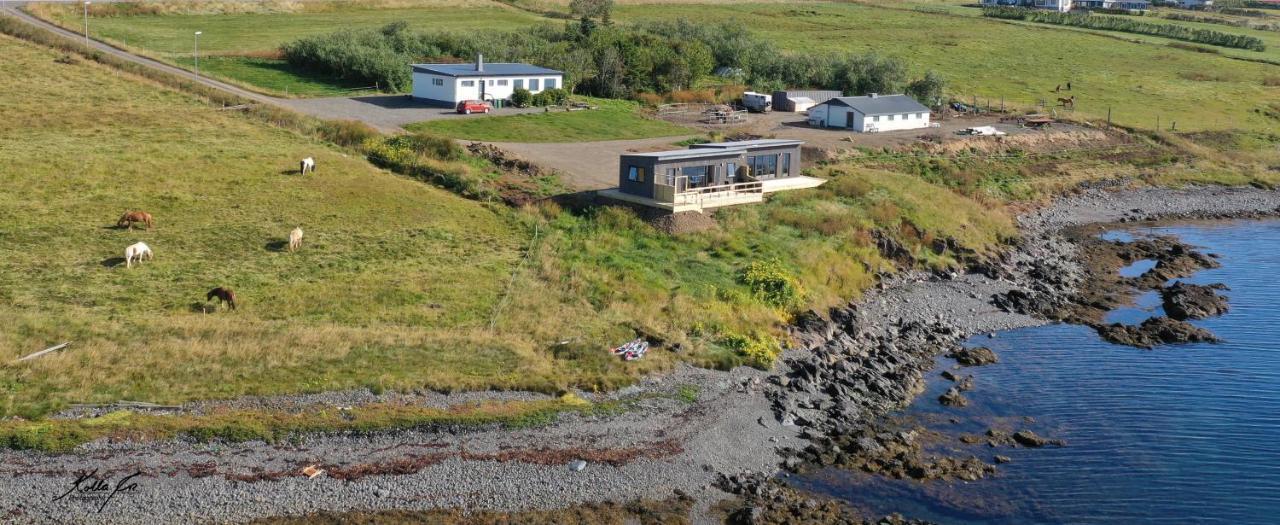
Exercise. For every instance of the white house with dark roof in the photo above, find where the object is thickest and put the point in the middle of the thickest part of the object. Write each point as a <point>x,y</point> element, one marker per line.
<point>448,84</point>
<point>871,113</point>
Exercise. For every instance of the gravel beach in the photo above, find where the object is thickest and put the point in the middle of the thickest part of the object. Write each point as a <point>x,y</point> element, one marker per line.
<point>743,420</point>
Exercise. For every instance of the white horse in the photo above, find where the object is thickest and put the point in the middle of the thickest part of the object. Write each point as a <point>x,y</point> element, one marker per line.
<point>137,251</point>
<point>308,165</point>
<point>295,239</point>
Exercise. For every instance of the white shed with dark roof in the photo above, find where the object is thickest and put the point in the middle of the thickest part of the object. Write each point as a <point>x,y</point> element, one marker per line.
<point>871,113</point>
<point>448,84</point>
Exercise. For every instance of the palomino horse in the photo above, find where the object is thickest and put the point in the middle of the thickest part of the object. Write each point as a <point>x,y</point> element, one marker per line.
<point>130,217</point>
<point>295,239</point>
<point>137,251</point>
<point>1069,102</point>
<point>308,165</point>
<point>224,295</point>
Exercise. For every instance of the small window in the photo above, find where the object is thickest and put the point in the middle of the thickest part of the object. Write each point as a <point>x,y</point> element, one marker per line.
<point>920,116</point>
<point>635,174</point>
<point>437,81</point>
<point>875,118</point>
<point>502,82</point>
<point>533,84</point>
<point>890,118</point>
<point>491,82</point>
<point>551,83</point>
<point>519,83</point>
<point>468,83</point>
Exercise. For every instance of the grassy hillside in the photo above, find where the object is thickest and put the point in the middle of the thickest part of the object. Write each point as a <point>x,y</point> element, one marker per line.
<point>395,283</point>
<point>979,57</point>
<point>1022,63</point>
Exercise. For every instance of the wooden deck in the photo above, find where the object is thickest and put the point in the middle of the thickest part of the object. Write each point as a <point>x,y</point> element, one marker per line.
<point>700,199</point>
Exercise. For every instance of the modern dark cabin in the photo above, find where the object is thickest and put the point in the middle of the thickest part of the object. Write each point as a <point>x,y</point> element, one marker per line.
<point>711,175</point>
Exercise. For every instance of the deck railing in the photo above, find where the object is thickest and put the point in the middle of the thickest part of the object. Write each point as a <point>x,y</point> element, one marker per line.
<point>672,194</point>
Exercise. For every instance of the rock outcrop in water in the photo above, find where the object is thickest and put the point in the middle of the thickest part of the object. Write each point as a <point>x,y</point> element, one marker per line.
<point>1155,331</point>
<point>977,356</point>
<point>1184,301</point>
<point>765,501</point>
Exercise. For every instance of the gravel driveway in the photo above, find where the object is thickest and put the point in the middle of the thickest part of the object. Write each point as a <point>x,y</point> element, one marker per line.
<point>384,112</point>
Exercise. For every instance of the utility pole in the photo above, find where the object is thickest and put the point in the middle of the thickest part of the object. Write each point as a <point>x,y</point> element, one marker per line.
<point>196,52</point>
<point>86,23</point>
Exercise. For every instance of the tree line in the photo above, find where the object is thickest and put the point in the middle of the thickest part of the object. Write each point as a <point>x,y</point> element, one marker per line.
<point>609,60</point>
<point>1110,23</point>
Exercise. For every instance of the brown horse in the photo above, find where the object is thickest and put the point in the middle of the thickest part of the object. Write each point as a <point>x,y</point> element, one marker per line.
<point>1069,102</point>
<point>130,217</point>
<point>224,295</point>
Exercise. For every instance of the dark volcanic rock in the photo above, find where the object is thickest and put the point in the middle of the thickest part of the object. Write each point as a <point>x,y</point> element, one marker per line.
<point>953,398</point>
<point>1155,331</point>
<point>1028,438</point>
<point>1002,459</point>
<point>977,356</point>
<point>1184,301</point>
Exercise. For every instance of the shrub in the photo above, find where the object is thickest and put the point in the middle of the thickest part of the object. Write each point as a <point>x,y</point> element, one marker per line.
<point>771,284</point>
<point>758,350</point>
<point>346,133</point>
<point>521,97</point>
<point>550,97</point>
<point>1110,23</point>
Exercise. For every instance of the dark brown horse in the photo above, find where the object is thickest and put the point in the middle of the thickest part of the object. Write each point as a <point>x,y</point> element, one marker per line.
<point>130,217</point>
<point>224,295</point>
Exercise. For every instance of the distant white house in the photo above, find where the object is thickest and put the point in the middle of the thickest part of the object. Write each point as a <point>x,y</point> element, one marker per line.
<point>1055,5</point>
<point>1194,4</point>
<point>871,113</point>
<point>1064,6</point>
<point>448,84</point>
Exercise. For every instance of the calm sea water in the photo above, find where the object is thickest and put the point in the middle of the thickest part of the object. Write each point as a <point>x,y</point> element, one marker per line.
<point>1180,434</point>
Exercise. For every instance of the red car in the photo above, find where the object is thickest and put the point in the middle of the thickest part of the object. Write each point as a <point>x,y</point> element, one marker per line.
<point>468,107</point>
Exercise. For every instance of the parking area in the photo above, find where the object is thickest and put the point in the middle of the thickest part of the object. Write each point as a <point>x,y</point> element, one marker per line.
<point>385,112</point>
<point>785,125</point>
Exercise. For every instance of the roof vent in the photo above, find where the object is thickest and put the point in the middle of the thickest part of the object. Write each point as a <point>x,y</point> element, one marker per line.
<point>480,62</point>
<point>872,95</point>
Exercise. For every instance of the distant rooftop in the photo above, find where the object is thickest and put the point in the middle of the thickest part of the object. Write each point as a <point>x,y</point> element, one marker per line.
<point>499,69</point>
<point>881,104</point>
<point>748,144</point>
<point>716,149</point>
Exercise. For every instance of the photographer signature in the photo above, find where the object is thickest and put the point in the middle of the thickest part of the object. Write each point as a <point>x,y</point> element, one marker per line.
<point>89,486</point>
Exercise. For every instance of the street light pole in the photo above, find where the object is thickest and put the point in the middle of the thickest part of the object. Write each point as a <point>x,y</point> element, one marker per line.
<point>196,52</point>
<point>86,23</point>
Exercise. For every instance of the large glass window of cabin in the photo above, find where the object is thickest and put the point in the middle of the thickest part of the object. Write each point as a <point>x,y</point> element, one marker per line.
<point>698,176</point>
<point>786,164</point>
<point>635,174</point>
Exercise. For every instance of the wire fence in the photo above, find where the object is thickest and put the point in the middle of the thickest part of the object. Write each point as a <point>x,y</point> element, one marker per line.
<point>515,272</point>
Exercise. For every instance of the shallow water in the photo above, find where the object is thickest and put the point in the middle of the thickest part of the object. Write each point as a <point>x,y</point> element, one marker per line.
<point>1181,434</point>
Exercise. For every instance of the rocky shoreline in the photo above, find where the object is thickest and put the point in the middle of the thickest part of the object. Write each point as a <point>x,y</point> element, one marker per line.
<point>824,400</point>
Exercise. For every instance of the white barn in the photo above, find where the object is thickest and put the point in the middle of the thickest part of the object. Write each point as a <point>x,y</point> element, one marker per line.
<point>871,113</point>
<point>448,84</point>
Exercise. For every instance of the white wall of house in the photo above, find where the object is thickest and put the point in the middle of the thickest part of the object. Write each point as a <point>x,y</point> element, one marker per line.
<point>832,116</point>
<point>457,89</point>
<point>895,121</point>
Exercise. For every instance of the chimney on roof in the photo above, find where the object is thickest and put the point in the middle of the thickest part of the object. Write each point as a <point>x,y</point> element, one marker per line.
<point>872,95</point>
<point>480,62</point>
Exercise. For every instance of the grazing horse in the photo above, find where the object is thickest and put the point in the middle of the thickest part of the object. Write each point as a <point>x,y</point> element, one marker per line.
<point>137,251</point>
<point>308,165</point>
<point>130,217</point>
<point>224,295</point>
<point>1069,102</point>
<point>295,239</point>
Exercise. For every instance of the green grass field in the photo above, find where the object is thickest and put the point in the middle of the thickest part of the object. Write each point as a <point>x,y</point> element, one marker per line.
<point>614,120</point>
<point>988,59</point>
<point>394,287</point>
<point>275,76</point>
<point>1022,63</point>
